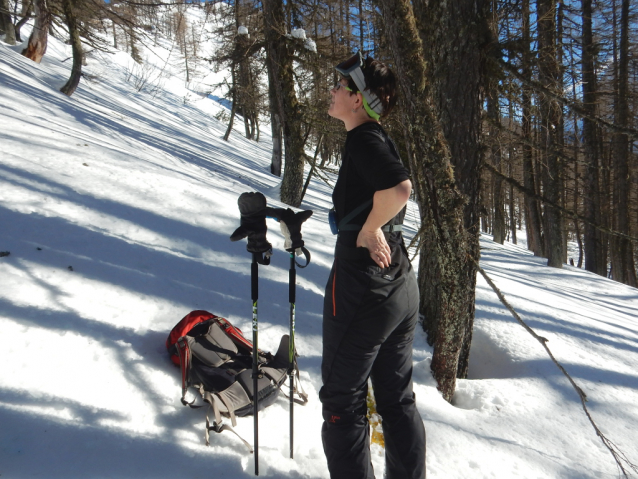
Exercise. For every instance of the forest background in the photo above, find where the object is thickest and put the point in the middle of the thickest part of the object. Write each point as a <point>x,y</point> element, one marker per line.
<point>513,114</point>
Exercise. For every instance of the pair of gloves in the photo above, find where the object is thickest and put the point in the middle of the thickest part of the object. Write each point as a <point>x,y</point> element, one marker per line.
<point>254,211</point>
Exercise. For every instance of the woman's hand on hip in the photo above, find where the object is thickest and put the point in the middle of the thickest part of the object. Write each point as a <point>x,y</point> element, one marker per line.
<point>375,242</point>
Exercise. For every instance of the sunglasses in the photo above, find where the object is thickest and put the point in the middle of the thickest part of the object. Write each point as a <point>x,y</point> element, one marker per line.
<point>341,85</point>
<point>352,68</point>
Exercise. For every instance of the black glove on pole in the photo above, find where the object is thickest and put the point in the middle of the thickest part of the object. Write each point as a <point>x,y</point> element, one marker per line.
<point>252,207</point>
<point>290,224</point>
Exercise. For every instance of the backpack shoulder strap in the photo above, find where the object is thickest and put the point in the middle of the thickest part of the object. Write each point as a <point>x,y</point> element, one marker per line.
<point>234,333</point>
<point>344,223</point>
<point>218,426</point>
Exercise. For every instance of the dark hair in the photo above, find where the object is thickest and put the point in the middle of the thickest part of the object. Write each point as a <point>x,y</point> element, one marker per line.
<point>381,81</point>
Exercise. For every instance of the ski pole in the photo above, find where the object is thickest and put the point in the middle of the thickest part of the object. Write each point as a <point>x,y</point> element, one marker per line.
<point>290,223</point>
<point>252,207</point>
<point>292,283</point>
<point>254,272</point>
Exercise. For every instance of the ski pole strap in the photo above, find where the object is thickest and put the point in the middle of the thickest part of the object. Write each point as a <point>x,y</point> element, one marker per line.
<point>306,253</point>
<point>263,258</point>
<point>298,389</point>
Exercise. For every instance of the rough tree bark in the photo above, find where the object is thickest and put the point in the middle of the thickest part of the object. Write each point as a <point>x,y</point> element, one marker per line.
<point>243,82</point>
<point>457,34</point>
<point>27,8</point>
<point>532,206</point>
<point>594,260</point>
<point>76,46</point>
<point>275,125</point>
<point>37,46</point>
<point>510,165</point>
<point>499,230</point>
<point>550,124</point>
<point>498,206</point>
<point>279,61</point>
<point>449,212</point>
<point>233,108</point>
<point>6,24</point>
<point>622,259</point>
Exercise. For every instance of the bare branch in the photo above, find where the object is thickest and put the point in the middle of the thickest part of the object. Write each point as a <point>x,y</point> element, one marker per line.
<point>632,133</point>
<point>620,457</point>
<point>544,200</point>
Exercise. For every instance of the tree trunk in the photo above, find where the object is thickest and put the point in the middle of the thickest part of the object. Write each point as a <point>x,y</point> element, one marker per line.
<point>233,108</point>
<point>498,205</point>
<point>622,258</point>
<point>132,37</point>
<point>27,8</point>
<point>447,270</point>
<point>594,260</point>
<point>279,59</point>
<point>551,120</point>
<point>458,34</point>
<point>277,144</point>
<point>243,82</point>
<point>37,46</point>
<point>576,193</point>
<point>510,163</point>
<point>76,45</point>
<point>275,126</point>
<point>6,24</point>
<point>532,206</point>
<point>512,206</point>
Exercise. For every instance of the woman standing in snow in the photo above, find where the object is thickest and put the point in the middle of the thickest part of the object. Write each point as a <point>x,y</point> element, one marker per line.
<point>371,299</point>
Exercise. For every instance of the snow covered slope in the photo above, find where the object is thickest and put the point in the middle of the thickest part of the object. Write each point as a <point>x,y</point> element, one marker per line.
<point>116,207</point>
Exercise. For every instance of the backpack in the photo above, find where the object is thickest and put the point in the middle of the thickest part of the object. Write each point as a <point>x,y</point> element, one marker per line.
<point>216,359</point>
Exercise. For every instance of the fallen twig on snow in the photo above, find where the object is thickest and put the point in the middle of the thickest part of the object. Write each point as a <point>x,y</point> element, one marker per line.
<point>621,459</point>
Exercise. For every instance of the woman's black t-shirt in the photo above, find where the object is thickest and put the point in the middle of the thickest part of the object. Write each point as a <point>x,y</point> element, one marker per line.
<point>370,163</point>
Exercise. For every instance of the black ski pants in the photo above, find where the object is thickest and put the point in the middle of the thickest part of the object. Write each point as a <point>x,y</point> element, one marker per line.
<point>368,330</point>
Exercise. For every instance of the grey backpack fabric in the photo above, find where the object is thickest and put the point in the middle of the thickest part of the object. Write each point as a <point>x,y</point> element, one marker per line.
<point>216,360</point>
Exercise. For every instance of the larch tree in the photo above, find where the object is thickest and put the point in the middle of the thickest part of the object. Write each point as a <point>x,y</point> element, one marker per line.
<point>443,101</point>
<point>38,40</point>
<point>594,259</point>
<point>6,24</point>
<point>550,129</point>
<point>279,57</point>
<point>622,258</point>
<point>70,15</point>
